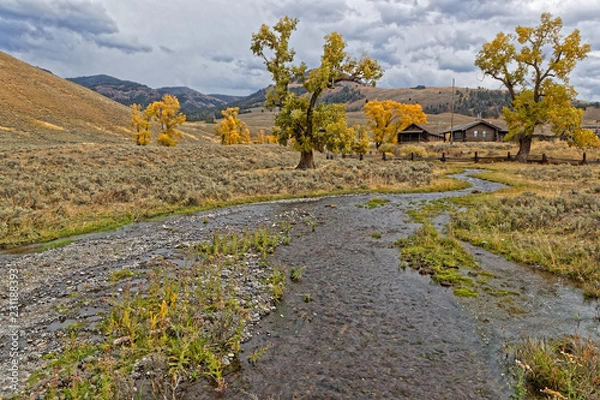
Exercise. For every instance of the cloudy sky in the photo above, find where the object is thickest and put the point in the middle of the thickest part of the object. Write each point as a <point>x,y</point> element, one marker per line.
<point>204,44</point>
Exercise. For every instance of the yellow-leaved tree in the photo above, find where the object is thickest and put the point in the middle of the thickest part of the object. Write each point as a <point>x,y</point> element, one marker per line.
<point>362,141</point>
<point>141,124</point>
<point>534,64</point>
<point>302,120</point>
<point>232,130</point>
<point>166,113</point>
<point>387,118</point>
<point>584,139</point>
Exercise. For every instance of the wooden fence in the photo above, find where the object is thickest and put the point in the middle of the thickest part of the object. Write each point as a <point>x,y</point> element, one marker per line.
<point>476,158</point>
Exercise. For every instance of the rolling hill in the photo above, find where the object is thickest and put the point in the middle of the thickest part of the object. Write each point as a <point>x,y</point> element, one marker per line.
<point>38,107</point>
<point>128,92</point>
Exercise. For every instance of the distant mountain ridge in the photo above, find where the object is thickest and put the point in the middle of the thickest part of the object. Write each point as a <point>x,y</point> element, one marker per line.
<point>473,102</point>
<point>128,92</point>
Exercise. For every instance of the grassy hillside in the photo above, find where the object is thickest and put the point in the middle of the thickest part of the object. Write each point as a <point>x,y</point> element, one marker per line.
<point>41,108</point>
<point>128,92</point>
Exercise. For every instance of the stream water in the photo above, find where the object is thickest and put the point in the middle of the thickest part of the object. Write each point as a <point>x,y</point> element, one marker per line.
<point>374,330</point>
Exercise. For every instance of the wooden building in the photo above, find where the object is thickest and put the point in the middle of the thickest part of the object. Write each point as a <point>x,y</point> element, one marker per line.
<point>476,131</point>
<point>416,133</point>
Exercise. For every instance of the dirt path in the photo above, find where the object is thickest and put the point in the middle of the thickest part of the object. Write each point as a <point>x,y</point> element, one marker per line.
<point>372,330</point>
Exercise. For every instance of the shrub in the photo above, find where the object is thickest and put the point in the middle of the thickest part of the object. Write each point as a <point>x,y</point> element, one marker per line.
<point>408,149</point>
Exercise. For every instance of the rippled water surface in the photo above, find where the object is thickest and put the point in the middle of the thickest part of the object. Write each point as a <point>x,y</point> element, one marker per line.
<point>373,330</point>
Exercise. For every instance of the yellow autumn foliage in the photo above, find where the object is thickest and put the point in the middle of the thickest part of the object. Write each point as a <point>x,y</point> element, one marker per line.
<point>166,113</point>
<point>232,130</point>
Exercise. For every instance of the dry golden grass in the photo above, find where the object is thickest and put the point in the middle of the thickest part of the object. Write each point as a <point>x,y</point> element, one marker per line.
<point>38,107</point>
<point>549,218</point>
<point>53,191</point>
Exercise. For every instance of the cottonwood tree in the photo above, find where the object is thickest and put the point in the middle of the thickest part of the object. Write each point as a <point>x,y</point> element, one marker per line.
<point>534,64</point>
<point>141,124</point>
<point>303,121</point>
<point>387,118</point>
<point>362,141</point>
<point>583,139</point>
<point>166,113</point>
<point>262,138</point>
<point>232,130</point>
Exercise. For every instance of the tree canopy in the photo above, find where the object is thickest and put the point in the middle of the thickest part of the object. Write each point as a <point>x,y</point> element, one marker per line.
<point>387,118</point>
<point>166,113</point>
<point>534,64</point>
<point>302,120</point>
<point>232,130</point>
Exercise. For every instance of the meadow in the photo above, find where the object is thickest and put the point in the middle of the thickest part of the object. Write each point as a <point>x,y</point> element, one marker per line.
<point>548,218</point>
<point>53,191</point>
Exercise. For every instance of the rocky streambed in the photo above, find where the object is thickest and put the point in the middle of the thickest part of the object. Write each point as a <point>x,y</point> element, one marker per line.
<point>354,326</point>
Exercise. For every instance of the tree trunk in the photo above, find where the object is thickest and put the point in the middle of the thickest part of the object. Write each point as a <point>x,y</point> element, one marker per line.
<point>524,148</point>
<point>306,160</point>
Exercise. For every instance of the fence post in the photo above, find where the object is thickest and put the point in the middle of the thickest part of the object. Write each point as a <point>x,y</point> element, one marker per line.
<point>584,161</point>
<point>443,157</point>
<point>412,156</point>
<point>476,157</point>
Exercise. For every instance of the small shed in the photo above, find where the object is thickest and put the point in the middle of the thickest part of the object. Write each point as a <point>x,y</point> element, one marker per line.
<point>415,133</point>
<point>476,131</point>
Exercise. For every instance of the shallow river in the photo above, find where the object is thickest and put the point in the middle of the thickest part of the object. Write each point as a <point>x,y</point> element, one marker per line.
<point>374,330</point>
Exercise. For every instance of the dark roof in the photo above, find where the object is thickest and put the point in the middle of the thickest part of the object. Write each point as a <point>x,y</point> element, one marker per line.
<point>421,129</point>
<point>464,127</point>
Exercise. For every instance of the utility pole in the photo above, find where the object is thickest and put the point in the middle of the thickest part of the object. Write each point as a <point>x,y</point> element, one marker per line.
<point>452,115</point>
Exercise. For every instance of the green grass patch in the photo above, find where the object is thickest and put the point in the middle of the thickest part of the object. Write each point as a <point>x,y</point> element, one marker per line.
<point>258,353</point>
<point>375,202</point>
<point>553,232</point>
<point>429,210</point>
<point>55,244</point>
<point>276,282</point>
<point>296,273</point>
<point>465,292</point>
<point>443,258</point>
<point>116,276</point>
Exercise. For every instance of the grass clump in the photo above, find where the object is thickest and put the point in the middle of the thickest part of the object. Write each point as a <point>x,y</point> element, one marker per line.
<point>121,274</point>
<point>428,211</point>
<point>237,244</point>
<point>375,202</point>
<point>429,253</point>
<point>465,292</point>
<point>296,273</point>
<point>258,353</point>
<point>276,282</point>
<point>565,368</point>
